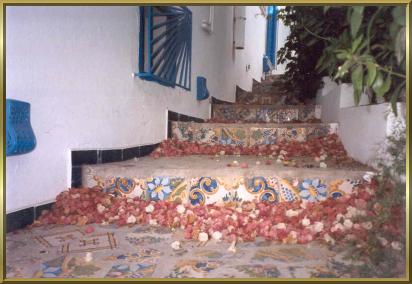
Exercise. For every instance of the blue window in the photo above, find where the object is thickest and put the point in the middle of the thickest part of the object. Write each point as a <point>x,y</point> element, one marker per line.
<point>165,45</point>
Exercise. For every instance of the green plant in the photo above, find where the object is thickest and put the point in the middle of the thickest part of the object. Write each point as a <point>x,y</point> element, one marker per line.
<point>375,59</point>
<point>362,45</point>
<point>302,50</point>
<point>380,259</point>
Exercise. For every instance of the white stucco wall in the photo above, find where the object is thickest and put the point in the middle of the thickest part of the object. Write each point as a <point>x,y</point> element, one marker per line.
<point>332,97</point>
<point>282,34</point>
<point>362,128</point>
<point>74,66</point>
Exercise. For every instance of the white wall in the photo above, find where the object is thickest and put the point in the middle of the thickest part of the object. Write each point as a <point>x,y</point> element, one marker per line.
<point>74,66</point>
<point>362,128</point>
<point>282,34</point>
<point>332,97</point>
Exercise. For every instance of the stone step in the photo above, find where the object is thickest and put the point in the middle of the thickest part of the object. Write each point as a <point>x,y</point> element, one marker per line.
<point>265,113</point>
<point>207,179</point>
<point>249,134</point>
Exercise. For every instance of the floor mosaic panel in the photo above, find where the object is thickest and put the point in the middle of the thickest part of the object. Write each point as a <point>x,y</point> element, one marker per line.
<point>146,252</point>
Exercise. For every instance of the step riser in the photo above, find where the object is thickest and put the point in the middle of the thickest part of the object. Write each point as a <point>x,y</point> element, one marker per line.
<point>257,99</point>
<point>209,190</point>
<point>249,135</point>
<point>266,113</point>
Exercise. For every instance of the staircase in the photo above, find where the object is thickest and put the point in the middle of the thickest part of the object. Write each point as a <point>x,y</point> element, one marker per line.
<point>260,119</point>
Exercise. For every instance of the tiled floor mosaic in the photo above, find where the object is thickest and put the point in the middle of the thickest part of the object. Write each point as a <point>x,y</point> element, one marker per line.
<point>146,252</point>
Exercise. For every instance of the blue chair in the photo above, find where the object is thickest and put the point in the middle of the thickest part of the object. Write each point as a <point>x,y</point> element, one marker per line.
<point>202,92</point>
<point>20,137</point>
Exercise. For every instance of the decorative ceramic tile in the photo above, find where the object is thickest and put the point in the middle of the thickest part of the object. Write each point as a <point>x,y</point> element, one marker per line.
<point>182,130</point>
<point>221,111</point>
<point>265,188</point>
<point>245,114</point>
<point>313,190</point>
<point>263,136</point>
<point>203,190</point>
<point>120,185</point>
<point>287,191</point>
<point>292,133</point>
<point>223,190</point>
<point>233,136</point>
<point>321,130</point>
<point>209,135</point>
<point>166,188</point>
<point>340,188</point>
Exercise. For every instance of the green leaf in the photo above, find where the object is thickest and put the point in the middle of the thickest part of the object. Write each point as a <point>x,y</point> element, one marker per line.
<point>356,43</point>
<point>381,87</point>
<point>398,14</point>
<point>357,81</point>
<point>320,61</point>
<point>371,73</point>
<point>343,69</point>
<point>356,19</point>
<point>400,44</point>
<point>342,54</point>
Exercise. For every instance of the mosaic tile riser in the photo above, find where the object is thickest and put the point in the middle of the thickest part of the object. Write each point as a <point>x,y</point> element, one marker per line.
<point>265,113</point>
<point>248,136</point>
<point>220,191</point>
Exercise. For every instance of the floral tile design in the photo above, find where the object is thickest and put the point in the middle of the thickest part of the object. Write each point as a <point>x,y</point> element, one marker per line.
<point>313,190</point>
<point>219,190</point>
<point>154,188</point>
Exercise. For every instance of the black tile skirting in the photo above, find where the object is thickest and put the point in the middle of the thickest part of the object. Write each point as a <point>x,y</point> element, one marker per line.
<point>93,157</point>
<point>174,116</point>
<point>22,218</point>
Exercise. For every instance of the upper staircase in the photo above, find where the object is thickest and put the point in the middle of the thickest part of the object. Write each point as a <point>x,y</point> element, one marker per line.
<point>291,155</point>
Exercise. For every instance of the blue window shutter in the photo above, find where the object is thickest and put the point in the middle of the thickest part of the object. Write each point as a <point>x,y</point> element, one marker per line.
<point>165,45</point>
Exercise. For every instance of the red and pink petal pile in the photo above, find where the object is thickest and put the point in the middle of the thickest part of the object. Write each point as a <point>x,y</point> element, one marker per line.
<point>329,145</point>
<point>288,222</point>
